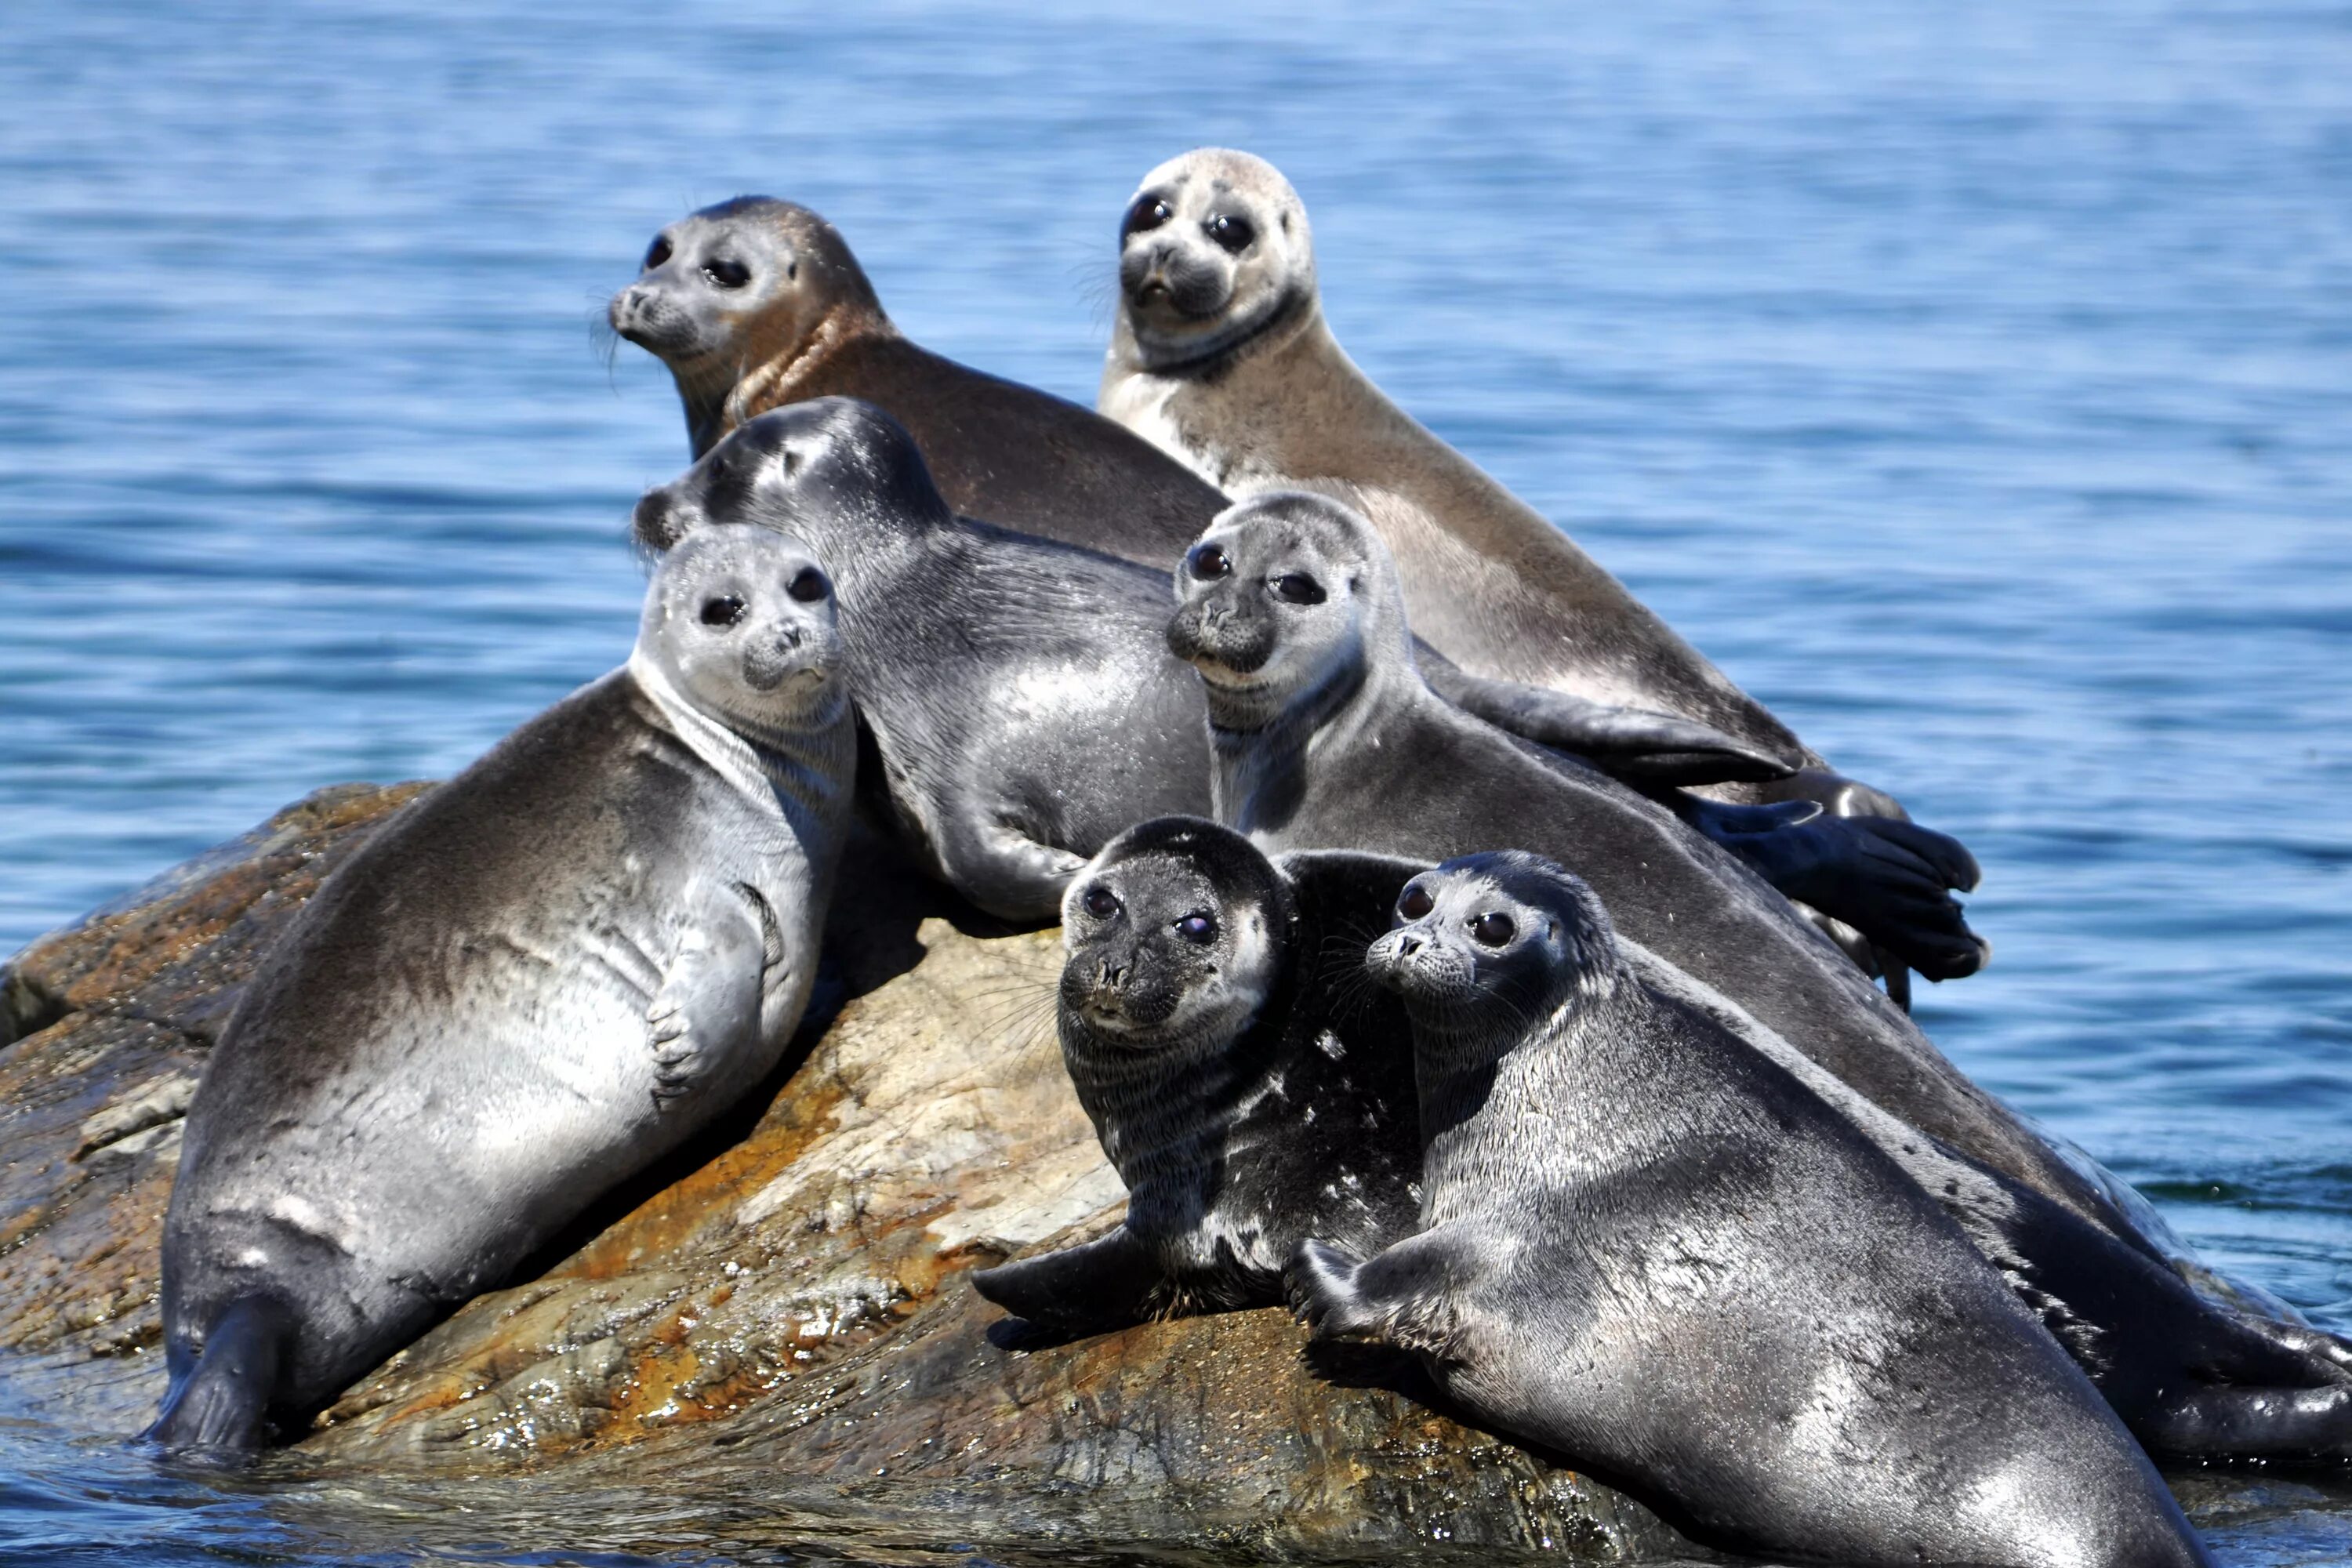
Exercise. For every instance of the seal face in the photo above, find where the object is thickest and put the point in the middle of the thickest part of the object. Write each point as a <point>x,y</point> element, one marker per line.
<point>1215,258</point>
<point>1650,1250</point>
<point>1250,1089</point>
<point>1221,358</point>
<point>529,985</point>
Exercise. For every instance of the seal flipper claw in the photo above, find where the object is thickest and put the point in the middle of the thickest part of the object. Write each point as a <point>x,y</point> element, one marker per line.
<point>222,1404</point>
<point>1110,1282</point>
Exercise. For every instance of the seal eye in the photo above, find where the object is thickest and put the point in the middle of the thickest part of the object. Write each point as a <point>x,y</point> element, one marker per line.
<point>808,585</point>
<point>1416,902</point>
<point>1197,928</point>
<point>1148,212</point>
<point>1232,231</point>
<point>1208,563</point>
<point>1298,588</point>
<point>658,254</point>
<point>1099,903</point>
<point>1493,929</point>
<point>724,610</point>
<point>726,274</point>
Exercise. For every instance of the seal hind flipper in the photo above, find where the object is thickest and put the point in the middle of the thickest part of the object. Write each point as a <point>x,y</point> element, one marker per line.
<point>1111,1282</point>
<point>222,1402</point>
<point>1889,879</point>
<point>1635,744</point>
<point>711,989</point>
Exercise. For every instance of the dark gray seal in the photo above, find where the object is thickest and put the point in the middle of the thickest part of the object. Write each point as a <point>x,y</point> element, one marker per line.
<point>1019,694</point>
<point>1221,358</point>
<point>526,986</point>
<point>1252,1089</point>
<point>1326,738</point>
<point>1650,1251</point>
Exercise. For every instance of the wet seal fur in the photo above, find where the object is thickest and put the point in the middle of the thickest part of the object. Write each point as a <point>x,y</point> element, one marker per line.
<point>1249,1085</point>
<point>1019,694</point>
<point>1222,357</point>
<point>531,983</point>
<point>1648,1250</point>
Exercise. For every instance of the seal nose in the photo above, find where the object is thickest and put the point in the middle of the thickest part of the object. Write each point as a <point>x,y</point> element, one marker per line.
<point>1406,946</point>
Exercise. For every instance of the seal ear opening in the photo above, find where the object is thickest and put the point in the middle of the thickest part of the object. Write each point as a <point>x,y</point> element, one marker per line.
<point>223,1403</point>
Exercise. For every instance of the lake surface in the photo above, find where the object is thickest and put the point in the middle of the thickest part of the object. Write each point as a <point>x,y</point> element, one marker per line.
<point>1973,384</point>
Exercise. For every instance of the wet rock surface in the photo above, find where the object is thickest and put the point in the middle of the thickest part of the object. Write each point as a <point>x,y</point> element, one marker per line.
<point>775,1320</point>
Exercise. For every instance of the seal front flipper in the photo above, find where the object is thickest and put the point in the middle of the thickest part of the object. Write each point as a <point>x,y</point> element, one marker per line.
<point>709,996</point>
<point>1629,743</point>
<point>222,1402</point>
<point>1109,1283</point>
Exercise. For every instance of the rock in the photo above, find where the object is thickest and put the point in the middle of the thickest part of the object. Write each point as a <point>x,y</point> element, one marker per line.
<point>776,1318</point>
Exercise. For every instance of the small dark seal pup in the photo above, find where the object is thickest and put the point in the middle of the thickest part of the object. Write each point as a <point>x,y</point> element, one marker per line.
<point>527,985</point>
<point>755,303</point>
<point>1251,1088</point>
<point>1020,695</point>
<point>1647,1250</point>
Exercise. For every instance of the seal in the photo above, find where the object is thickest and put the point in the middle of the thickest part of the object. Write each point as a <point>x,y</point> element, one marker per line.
<point>1251,1090</point>
<point>1018,693</point>
<point>1221,357</point>
<point>529,985</point>
<point>1325,737</point>
<point>1628,1214</point>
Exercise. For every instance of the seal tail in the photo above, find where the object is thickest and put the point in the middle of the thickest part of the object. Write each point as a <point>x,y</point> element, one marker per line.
<point>223,1402</point>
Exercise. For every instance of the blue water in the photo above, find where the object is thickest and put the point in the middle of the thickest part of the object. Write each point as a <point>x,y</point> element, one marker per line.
<point>1973,383</point>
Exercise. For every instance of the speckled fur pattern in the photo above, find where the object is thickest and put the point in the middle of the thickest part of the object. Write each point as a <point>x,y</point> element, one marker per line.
<point>1627,1211</point>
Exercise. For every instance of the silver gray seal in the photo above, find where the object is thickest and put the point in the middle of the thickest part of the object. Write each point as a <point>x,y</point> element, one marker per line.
<point>529,985</point>
<point>1651,1252</point>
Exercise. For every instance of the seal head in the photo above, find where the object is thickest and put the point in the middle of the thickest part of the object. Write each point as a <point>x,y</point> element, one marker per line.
<point>1281,606</point>
<point>744,625</point>
<point>734,296</point>
<point>797,469</point>
<point>1214,256</point>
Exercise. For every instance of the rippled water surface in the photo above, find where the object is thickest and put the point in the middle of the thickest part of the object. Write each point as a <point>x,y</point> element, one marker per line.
<point>1973,383</point>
